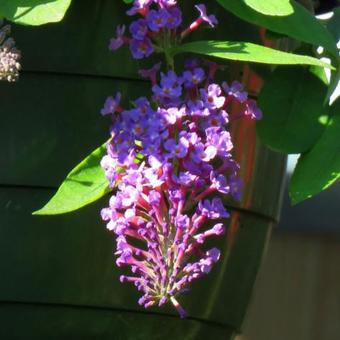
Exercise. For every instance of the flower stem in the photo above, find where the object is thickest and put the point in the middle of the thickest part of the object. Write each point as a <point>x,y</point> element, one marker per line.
<point>180,309</point>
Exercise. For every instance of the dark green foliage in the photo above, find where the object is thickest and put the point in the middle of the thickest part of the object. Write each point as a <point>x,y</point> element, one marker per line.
<point>320,167</point>
<point>300,24</point>
<point>295,115</point>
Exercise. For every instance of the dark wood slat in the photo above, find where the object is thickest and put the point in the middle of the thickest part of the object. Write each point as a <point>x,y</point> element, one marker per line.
<point>68,260</point>
<point>60,322</point>
<point>49,123</point>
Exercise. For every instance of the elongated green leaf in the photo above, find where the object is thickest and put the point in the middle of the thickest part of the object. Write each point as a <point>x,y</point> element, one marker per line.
<point>271,7</point>
<point>294,115</point>
<point>332,94</point>
<point>85,184</point>
<point>34,12</point>
<point>333,25</point>
<point>319,168</point>
<point>300,25</point>
<point>244,51</point>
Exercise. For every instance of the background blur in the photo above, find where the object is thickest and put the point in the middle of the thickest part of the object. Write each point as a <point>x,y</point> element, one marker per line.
<point>297,294</point>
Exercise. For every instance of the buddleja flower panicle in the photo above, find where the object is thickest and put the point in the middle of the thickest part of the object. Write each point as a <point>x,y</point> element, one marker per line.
<point>170,158</point>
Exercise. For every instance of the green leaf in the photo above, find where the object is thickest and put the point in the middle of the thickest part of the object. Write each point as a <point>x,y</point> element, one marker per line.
<point>128,1</point>
<point>294,115</point>
<point>34,12</point>
<point>319,168</point>
<point>320,73</point>
<point>85,184</point>
<point>271,7</point>
<point>244,51</point>
<point>300,25</point>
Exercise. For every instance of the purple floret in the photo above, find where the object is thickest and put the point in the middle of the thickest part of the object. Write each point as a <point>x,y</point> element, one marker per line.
<point>210,19</point>
<point>157,20</point>
<point>212,209</point>
<point>219,182</point>
<point>141,48</point>
<point>170,86</point>
<point>252,110</point>
<point>174,18</point>
<point>178,150</point>
<point>212,97</point>
<point>118,41</point>
<point>139,29</point>
<point>151,73</point>
<point>236,91</point>
<point>193,78</point>
<point>111,104</point>
<point>220,140</point>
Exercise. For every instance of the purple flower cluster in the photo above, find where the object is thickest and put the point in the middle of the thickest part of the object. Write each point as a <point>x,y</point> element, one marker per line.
<point>170,162</point>
<point>9,56</point>
<point>156,29</point>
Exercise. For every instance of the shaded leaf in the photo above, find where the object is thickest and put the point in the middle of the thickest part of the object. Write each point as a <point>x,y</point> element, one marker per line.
<point>333,24</point>
<point>319,168</point>
<point>85,184</point>
<point>300,25</point>
<point>34,12</point>
<point>294,115</point>
<point>244,51</point>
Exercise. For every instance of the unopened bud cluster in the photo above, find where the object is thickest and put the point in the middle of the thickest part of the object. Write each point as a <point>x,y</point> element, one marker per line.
<point>9,56</point>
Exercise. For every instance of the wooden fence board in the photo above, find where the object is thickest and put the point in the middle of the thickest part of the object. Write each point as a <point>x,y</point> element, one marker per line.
<point>297,294</point>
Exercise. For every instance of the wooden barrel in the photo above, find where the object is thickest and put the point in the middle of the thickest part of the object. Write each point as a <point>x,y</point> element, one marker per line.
<point>58,277</point>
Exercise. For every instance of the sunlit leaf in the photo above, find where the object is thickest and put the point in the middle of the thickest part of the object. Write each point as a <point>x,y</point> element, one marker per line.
<point>85,184</point>
<point>245,51</point>
<point>34,12</point>
<point>271,7</point>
